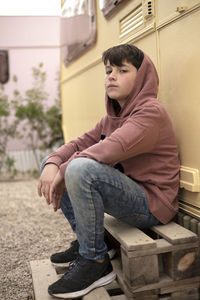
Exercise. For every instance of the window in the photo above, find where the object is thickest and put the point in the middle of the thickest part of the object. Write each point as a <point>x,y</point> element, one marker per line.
<point>4,69</point>
<point>78,28</point>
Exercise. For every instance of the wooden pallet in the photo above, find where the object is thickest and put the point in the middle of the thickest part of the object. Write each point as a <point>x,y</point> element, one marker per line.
<point>161,262</point>
<point>44,274</point>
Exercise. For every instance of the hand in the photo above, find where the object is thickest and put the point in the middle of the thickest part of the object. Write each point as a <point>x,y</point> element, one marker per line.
<point>48,174</point>
<point>56,191</point>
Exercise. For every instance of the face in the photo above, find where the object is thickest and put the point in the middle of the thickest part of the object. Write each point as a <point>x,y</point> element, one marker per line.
<point>119,81</point>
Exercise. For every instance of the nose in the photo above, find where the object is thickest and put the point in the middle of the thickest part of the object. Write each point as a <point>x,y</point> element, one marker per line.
<point>112,75</point>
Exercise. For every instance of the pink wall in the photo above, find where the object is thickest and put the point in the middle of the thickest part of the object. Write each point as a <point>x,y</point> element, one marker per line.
<point>29,41</point>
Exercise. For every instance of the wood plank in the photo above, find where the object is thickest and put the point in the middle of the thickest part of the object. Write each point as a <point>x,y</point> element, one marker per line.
<point>129,237</point>
<point>175,234</point>
<point>165,281</point>
<point>147,294</point>
<point>162,246</point>
<point>140,270</point>
<point>97,294</point>
<point>182,264</point>
<point>186,294</point>
<point>192,285</point>
<point>119,297</point>
<point>43,274</point>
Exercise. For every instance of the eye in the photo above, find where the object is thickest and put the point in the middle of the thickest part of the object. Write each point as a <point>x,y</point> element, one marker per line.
<point>108,72</point>
<point>123,71</point>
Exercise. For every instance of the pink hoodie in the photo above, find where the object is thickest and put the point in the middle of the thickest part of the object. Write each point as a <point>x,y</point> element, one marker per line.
<point>140,139</point>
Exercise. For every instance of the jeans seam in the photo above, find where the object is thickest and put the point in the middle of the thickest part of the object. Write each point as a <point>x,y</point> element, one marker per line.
<point>119,188</point>
<point>95,213</point>
<point>112,184</point>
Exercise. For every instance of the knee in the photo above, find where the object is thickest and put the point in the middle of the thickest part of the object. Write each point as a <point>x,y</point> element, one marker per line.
<point>79,169</point>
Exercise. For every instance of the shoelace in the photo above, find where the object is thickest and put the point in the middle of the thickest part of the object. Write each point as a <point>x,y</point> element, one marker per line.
<point>73,268</point>
<point>72,264</point>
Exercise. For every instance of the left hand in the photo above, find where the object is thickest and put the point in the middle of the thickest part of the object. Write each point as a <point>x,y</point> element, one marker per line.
<point>56,191</point>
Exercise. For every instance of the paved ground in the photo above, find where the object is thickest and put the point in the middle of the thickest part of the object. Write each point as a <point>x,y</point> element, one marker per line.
<point>29,230</point>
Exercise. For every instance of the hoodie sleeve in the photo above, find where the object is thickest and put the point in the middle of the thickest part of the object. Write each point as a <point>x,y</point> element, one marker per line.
<point>65,152</point>
<point>137,135</point>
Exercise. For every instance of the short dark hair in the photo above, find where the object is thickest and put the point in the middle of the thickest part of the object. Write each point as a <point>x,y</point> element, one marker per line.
<point>117,54</point>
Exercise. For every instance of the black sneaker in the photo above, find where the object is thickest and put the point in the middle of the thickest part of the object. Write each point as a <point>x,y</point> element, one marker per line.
<point>63,259</point>
<point>84,276</point>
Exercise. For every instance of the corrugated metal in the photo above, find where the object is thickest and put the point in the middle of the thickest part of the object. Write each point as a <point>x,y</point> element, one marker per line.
<point>189,222</point>
<point>25,160</point>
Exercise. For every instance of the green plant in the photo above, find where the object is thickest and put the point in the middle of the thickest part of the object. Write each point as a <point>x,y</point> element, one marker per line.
<point>10,162</point>
<point>14,172</point>
<point>41,124</point>
<point>8,128</point>
<point>35,173</point>
<point>54,121</point>
<point>10,166</point>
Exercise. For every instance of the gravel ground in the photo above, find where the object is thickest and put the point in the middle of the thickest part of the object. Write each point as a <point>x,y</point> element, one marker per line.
<point>29,230</point>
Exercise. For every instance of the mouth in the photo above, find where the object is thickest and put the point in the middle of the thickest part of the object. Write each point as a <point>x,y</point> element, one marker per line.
<point>111,86</point>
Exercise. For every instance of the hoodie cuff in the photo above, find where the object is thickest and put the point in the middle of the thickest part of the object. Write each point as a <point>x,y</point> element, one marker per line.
<point>54,160</point>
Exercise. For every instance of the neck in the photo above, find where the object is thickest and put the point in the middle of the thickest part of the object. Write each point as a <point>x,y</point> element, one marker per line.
<point>121,102</point>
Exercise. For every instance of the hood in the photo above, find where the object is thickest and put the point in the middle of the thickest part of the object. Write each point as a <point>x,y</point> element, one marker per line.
<point>145,89</point>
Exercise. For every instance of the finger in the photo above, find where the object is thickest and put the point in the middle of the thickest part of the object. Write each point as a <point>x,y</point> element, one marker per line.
<point>45,192</point>
<point>52,199</point>
<point>60,197</point>
<point>59,202</point>
<point>56,202</point>
<point>47,200</point>
<point>56,199</point>
<point>39,188</point>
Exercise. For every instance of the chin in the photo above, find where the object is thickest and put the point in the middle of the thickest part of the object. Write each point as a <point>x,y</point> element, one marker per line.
<point>113,96</point>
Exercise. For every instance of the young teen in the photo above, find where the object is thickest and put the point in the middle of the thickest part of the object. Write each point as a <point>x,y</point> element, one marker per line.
<point>126,166</point>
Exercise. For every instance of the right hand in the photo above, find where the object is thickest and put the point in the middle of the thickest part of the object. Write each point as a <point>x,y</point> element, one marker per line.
<point>47,177</point>
<point>56,191</point>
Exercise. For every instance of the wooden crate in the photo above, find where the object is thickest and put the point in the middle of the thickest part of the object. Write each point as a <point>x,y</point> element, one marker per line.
<point>160,262</point>
<point>165,289</point>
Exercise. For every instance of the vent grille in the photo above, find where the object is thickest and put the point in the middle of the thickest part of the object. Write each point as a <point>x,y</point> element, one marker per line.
<point>148,9</point>
<point>141,18</point>
<point>132,22</point>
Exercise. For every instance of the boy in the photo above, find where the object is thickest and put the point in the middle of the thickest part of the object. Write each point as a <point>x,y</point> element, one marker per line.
<point>126,166</point>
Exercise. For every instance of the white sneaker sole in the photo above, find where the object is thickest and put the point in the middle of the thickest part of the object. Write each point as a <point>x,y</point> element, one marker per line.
<point>100,282</point>
<point>62,265</point>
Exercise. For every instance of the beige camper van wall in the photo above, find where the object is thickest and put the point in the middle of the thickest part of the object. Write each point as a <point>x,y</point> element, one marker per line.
<point>78,28</point>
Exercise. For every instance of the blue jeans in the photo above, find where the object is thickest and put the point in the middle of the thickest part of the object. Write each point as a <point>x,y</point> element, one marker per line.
<point>93,189</point>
